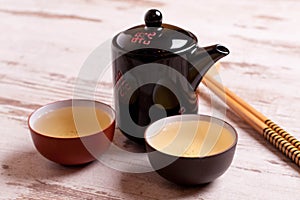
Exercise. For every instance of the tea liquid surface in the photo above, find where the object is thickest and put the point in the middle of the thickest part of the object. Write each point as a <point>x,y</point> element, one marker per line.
<point>70,122</point>
<point>192,138</point>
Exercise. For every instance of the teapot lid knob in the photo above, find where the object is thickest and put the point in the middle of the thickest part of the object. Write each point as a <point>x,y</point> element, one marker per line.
<point>153,18</point>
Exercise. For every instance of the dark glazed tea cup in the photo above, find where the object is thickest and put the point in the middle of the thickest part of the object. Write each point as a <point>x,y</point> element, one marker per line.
<point>182,166</point>
<point>72,150</point>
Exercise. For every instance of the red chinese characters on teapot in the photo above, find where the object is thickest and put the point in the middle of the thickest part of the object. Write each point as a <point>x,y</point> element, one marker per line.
<point>143,38</point>
<point>125,86</point>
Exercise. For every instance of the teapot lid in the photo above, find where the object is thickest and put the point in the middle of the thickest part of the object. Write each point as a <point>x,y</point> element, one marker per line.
<point>154,38</point>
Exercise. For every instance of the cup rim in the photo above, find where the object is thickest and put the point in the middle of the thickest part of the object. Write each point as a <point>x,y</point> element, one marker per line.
<point>112,115</point>
<point>198,117</point>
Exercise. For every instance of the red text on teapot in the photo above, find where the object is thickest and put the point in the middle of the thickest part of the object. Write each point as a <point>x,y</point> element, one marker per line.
<point>143,38</point>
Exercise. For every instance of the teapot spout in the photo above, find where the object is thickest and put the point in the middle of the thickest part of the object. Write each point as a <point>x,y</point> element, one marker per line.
<point>202,60</point>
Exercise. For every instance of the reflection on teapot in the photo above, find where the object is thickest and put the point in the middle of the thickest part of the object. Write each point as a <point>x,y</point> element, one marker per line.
<point>157,68</point>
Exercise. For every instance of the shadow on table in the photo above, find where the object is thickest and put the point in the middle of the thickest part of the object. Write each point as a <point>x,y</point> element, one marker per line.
<point>31,165</point>
<point>151,185</point>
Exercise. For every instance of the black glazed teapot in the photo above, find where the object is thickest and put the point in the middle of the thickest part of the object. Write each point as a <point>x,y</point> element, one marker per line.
<point>156,69</point>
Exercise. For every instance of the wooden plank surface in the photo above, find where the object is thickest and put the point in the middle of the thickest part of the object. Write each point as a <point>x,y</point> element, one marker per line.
<point>45,43</point>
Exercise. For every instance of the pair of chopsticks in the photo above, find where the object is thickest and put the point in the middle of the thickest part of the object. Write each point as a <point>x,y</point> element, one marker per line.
<point>278,137</point>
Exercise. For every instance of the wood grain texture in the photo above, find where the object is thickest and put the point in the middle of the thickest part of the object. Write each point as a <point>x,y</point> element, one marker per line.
<point>45,43</point>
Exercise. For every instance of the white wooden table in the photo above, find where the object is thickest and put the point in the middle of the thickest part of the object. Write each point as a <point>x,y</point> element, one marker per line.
<point>43,45</point>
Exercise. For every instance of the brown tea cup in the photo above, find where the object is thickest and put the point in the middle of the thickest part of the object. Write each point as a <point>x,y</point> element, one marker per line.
<point>190,149</point>
<point>51,128</point>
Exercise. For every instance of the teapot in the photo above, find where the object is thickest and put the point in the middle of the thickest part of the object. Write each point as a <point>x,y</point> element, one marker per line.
<point>156,69</point>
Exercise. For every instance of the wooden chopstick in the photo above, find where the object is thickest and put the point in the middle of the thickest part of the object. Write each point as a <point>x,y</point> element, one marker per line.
<point>256,120</point>
<point>291,139</point>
